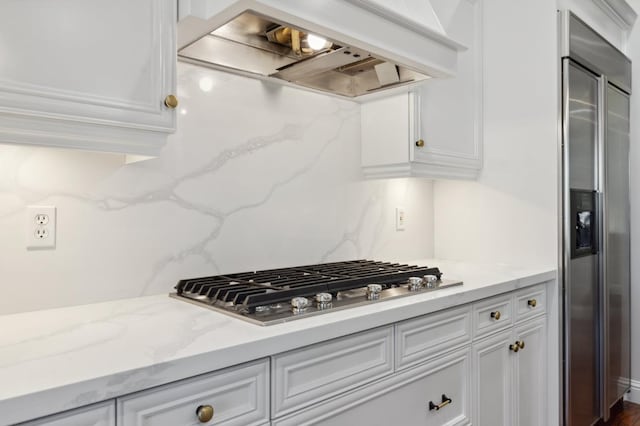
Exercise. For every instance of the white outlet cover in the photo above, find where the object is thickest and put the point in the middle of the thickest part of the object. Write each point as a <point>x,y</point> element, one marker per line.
<point>40,227</point>
<point>401,218</point>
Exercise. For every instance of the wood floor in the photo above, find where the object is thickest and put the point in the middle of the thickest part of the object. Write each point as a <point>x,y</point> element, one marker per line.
<point>628,415</point>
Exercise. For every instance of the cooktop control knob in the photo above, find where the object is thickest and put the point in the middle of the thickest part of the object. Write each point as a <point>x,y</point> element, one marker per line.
<point>431,281</point>
<point>323,300</point>
<point>299,304</point>
<point>373,291</point>
<point>414,283</point>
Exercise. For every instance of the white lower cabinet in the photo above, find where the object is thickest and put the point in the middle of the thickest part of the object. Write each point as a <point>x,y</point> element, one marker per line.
<point>510,376</point>
<point>433,394</point>
<point>461,366</point>
<point>237,396</point>
<point>530,374</point>
<point>102,414</point>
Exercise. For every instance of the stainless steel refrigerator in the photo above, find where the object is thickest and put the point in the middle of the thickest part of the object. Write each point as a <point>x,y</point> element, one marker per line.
<point>596,88</point>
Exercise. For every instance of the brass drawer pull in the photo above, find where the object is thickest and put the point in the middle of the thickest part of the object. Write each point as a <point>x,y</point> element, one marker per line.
<point>532,302</point>
<point>520,343</point>
<point>514,347</point>
<point>204,413</point>
<point>420,143</point>
<point>495,315</point>
<point>445,401</point>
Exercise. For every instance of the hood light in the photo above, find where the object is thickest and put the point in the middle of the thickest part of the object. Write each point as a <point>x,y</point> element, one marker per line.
<point>316,42</point>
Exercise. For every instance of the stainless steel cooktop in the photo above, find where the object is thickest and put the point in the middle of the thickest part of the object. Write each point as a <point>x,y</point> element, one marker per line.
<point>279,295</point>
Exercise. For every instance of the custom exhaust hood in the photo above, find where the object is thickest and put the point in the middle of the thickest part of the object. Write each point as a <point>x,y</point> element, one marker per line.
<point>348,48</point>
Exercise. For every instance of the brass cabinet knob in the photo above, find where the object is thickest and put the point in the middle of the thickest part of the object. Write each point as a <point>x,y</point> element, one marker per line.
<point>204,413</point>
<point>495,315</point>
<point>420,143</point>
<point>532,302</point>
<point>171,101</point>
<point>520,343</point>
<point>514,348</point>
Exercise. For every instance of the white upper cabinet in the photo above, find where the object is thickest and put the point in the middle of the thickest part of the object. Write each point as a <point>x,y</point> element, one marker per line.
<point>90,74</point>
<point>436,129</point>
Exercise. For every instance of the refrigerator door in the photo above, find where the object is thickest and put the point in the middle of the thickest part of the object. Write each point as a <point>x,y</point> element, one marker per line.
<point>617,247</point>
<point>581,307</point>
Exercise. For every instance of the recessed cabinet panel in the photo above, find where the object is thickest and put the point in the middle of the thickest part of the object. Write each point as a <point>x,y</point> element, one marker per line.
<point>237,396</point>
<point>419,339</point>
<point>530,302</point>
<point>308,375</point>
<point>434,394</point>
<point>530,374</point>
<point>492,315</point>
<point>102,414</point>
<point>492,377</point>
<point>106,66</point>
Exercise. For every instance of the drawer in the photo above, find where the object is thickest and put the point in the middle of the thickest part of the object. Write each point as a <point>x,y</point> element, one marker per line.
<point>103,414</point>
<point>401,399</point>
<point>305,376</point>
<point>530,302</point>
<point>239,396</point>
<point>419,339</point>
<point>492,315</point>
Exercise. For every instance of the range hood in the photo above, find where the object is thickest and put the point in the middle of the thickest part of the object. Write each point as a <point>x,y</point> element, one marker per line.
<point>349,48</point>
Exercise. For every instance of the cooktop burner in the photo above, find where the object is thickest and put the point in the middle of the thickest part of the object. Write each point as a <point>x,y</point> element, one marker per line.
<point>278,295</point>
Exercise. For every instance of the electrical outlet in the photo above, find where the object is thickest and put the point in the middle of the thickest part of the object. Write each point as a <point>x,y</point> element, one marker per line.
<point>400,218</point>
<point>41,227</point>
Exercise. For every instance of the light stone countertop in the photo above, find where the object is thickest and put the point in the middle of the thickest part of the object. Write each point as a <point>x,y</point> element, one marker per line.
<point>59,359</point>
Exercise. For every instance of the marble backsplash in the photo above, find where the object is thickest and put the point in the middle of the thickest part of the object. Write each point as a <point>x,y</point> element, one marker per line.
<point>257,176</point>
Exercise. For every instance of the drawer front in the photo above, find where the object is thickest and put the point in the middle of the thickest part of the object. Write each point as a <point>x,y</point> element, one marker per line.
<point>530,302</point>
<point>239,397</point>
<point>305,376</point>
<point>103,414</point>
<point>492,315</point>
<point>419,339</point>
<point>402,399</point>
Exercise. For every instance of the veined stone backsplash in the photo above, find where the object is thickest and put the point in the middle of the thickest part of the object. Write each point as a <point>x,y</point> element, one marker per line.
<point>257,176</point>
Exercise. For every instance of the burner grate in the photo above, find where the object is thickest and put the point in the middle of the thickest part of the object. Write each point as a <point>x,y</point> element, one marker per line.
<point>248,290</point>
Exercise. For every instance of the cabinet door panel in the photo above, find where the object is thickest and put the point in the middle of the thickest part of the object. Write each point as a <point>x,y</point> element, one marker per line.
<point>239,396</point>
<point>100,54</point>
<point>308,375</point>
<point>449,111</point>
<point>419,339</point>
<point>530,374</point>
<point>400,400</point>
<point>103,414</point>
<point>492,314</point>
<point>492,376</point>
<point>82,73</point>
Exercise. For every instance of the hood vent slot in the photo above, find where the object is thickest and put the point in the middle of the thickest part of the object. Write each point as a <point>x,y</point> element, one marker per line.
<point>250,43</point>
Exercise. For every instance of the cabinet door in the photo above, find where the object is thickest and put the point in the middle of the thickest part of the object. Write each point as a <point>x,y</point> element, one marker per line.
<point>236,396</point>
<point>447,113</point>
<point>492,380</point>
<point>103,414</point>
<point>87,73</point>
<point>403,399</point>
<point>530,374</point>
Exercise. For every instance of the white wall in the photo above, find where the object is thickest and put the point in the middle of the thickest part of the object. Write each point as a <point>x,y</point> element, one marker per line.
<point>634,54</point>
<point>257,176</point>
<point>510,214</point>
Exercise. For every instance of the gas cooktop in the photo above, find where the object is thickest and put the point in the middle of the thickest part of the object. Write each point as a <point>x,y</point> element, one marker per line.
<point>279,295</point>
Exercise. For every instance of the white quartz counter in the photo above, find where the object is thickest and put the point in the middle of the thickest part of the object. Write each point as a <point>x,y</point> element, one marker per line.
<point>59,359</point>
